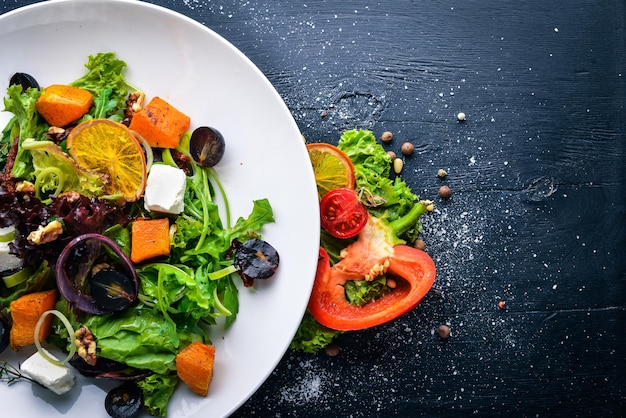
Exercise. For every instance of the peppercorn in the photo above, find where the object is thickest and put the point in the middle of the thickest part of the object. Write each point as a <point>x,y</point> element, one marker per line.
<point>391,155</point>
<point>420,244</point>
<point>444,331</point>
<point>386,136</point>
<point>332,349</point>
<point>407,148</point>
<point>445,192</point>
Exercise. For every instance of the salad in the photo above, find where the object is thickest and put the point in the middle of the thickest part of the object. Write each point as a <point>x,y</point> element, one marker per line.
<point>369,270</point>
<point>113,249</point>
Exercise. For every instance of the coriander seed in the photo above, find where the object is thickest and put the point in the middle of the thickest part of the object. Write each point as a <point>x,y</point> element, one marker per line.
<point>444,331</point>
<point>386,136</point>
<point>332,349</point>
<point>407,148</point>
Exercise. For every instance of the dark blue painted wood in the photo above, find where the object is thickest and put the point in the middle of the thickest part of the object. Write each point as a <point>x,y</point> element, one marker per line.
<point>537,217</point>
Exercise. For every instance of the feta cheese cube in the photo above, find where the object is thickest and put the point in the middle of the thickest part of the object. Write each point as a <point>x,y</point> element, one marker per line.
<point>8,261</point>
<point>165,189</point>
<point>58,379</point>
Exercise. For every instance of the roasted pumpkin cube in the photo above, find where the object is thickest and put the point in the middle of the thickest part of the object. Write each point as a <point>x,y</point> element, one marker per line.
<point>160,124</point>
<point>61,104</point>
<point>194,366</point>
<point>149,238</point>
<point>25,313</point>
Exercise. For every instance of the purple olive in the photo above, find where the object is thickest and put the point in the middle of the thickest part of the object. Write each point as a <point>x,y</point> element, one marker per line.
<point>112,289</point>
<point>27,81</point>
<point>206,146</point>
<point>124,401</point>
<point>256,259</point>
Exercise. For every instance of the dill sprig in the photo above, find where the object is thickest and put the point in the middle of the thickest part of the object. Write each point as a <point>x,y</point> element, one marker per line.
<point>11,374</point>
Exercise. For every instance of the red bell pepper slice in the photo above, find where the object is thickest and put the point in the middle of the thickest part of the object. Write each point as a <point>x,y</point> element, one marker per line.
<point>413,271</point>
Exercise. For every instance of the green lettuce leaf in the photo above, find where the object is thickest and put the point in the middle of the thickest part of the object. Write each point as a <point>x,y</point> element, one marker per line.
<point>41,278</point>
<point>25,123</point>
<point>387,198</point>
<point>55,172</point>
<point>312,336</point>
<point>141,338</point>
<point>157,391</point>
<point>106,83</point>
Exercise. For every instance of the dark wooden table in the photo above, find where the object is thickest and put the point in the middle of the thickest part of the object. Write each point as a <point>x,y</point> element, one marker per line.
<point>537,215</point>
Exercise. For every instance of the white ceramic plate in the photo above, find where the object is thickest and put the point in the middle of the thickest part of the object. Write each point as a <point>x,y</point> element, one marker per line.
<point>206,77</point>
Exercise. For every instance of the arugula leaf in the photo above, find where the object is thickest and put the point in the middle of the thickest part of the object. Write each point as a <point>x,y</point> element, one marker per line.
<point>230,302</point>
<point>261,214</point>
<point>176,289</point>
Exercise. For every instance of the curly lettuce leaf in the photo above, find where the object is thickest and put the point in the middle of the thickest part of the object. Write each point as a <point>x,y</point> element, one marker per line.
<point>372,166</point>
<point>360,292</point>
<point>312,336</point>
<point>55,172</point>
<point>25,123</point>
<point>157,391</point>
<point>106,82</point>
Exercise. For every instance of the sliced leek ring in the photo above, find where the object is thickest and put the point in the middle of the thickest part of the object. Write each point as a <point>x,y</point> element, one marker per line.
<point>7,234</point>
<point>70,330</point>
<point>17,278</point>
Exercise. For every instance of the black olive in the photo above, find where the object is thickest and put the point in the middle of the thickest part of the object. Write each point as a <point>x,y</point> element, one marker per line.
<point>103,365</point>
<point>206,146</point>
<point>5,329</point>
<point>25,80</point>
<point>107,369</point>
<point>124,401</point>
<point>256,259</point>
<point>112,290</point>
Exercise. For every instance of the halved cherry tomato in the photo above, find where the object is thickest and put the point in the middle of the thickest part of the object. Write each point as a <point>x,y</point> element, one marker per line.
<point>342,215</point>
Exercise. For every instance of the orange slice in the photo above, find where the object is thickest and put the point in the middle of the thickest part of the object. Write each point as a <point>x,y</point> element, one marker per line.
<point>332,168</point>
<point>110,148</point>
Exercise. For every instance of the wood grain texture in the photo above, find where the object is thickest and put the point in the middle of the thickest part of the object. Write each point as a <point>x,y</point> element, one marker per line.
<point>537,216</point>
